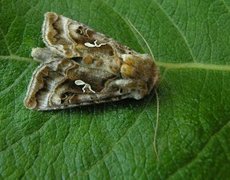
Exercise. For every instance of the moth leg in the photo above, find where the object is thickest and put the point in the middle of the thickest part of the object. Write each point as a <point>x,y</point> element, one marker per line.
<point>44,55</point>
<point>136,89</point>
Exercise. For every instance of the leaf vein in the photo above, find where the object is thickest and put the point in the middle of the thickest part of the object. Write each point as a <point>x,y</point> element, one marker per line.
<point>17,81</point>
<point>111,150</point>
<point>178,29</point>
<point>6,42</point>
<point>201,150</point>
<point>225,5</point>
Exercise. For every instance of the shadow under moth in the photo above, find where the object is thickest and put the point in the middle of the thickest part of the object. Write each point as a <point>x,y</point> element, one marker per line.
<point>80,66</point>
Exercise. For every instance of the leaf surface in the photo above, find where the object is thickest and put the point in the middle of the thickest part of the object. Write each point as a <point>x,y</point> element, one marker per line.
<point>190,41</point>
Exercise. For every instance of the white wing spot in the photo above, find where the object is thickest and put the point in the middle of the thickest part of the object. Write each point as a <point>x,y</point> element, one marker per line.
<point>87,44</point>
<point>86,86</point>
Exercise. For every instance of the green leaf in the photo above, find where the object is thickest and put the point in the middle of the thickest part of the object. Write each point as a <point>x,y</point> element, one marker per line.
<point>191,44</point>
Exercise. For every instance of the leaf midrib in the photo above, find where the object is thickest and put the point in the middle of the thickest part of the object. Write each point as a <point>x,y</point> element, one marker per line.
<point>166,65</point>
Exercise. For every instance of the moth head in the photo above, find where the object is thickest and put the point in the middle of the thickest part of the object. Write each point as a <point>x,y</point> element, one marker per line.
<point>140,67</point>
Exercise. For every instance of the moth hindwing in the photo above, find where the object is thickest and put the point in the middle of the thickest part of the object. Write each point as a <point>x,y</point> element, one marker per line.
<point>80,66</point>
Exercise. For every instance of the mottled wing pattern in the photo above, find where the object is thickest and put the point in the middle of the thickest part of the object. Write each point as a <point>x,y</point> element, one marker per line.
<point>80,66</point>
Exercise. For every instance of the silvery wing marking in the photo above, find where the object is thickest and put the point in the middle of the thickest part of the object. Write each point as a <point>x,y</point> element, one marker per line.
<point>80,66</point>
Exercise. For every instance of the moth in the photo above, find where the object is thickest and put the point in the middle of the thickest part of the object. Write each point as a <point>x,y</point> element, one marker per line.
<point>80,66</point>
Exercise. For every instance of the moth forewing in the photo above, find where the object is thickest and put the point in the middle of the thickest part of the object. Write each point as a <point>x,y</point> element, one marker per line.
<point>80,66</point>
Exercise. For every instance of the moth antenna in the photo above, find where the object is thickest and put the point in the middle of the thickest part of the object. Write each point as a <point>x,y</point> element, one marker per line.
<point>157,124</point>
<point>157,97</point>
<point>142,37</point>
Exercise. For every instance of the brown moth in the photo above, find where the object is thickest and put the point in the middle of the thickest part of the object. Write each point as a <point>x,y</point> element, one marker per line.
<point>80,66</point>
